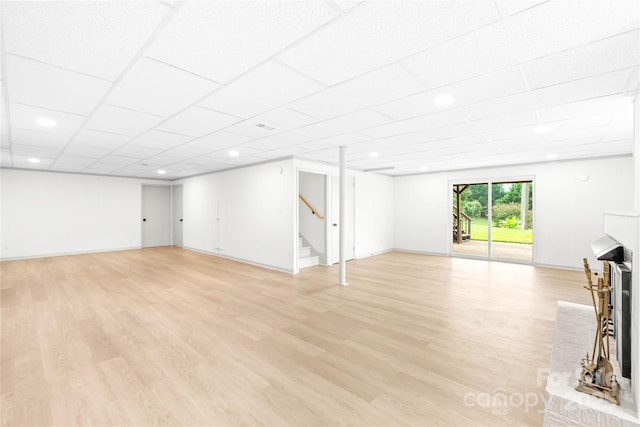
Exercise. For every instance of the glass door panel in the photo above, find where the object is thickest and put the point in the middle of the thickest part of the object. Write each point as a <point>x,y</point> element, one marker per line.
<point>512,221</point>
<point>470,220</point>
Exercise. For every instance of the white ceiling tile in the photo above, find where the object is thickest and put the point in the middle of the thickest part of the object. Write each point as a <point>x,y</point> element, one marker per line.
<point>80,161</point>
<point>25,151</point>
<point>510,7</point>
<point>443,118</point>
<point>101,169</point>
<point>534,33</point>
<point>241,161</point>
<point>22,162</point>
<point>131,150</point>
<point>489,86</point>
<point>605,105</point>
<point>345,139</point>
<point>276,121</point>
<point>555,127</point>
<point>185,152</point>
<point>344,124</point>
<point>197,121</point>
<point>204,160</point>
<point>283,119</point>
<point>380,86</point>
<point>118,160</point>
<point>4,141</point>
<point>243,152</point>
<point>268,86</point>
<point>283,152</point>
<point>158,88</point>
<point>378,33</point>
<point>242,33</point>
<point>592,87</point>
<point>46,86</point>
<point>277,141</point>
<point>82,150</point>
<point>160,140</point>
<point>6,159</point>
<point>39,139</point>
<point>98,139</point>
<point>608,55</point>
<point>109,118</point>
<point>25,117</point>
<point>98,37</point>
<point>219,141</point>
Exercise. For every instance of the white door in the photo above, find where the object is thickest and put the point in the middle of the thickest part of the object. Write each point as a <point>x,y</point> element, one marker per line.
<point>176,202</point>
<point>335,217</point>
<point>156,216</point>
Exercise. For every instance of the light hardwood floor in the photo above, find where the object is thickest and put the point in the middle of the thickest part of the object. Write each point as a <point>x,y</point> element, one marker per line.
<point>171,337</point>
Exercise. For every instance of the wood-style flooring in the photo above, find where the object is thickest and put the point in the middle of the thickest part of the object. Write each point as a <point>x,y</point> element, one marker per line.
<point>166,336</point>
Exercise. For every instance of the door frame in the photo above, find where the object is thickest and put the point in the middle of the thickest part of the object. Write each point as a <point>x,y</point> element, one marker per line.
<point>489,182</point>
<point>173,203</point>
<point>296,234</point>
<point>142,186</point>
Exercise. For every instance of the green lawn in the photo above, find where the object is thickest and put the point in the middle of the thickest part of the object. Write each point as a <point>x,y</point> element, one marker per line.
<point>479,231</point>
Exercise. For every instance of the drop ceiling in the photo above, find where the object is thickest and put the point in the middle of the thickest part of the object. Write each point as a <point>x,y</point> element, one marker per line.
<point>190,87</point>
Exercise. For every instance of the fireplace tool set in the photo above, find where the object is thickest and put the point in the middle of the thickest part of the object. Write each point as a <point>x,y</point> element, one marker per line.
<point>597,377</point>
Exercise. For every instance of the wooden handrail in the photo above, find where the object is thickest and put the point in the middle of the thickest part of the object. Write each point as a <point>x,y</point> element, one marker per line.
<point>313,211</point>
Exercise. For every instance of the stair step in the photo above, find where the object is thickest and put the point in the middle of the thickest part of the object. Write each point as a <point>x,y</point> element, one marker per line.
<point>304,251</point>
<point>308,261</point>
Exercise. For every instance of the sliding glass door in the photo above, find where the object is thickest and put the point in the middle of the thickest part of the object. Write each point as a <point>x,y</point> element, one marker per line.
<point>469,220</point>
<point>493,220</point>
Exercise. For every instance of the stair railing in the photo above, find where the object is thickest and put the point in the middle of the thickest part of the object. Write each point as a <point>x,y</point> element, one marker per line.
<point>466,227</point>
<point>311,208</point>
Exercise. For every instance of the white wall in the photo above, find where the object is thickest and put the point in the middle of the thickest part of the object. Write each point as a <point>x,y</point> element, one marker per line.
<point>312,187</point>
<point>567,210</point>
<point>256,218</point>
<point>46,213</point>
<point>374,198</point>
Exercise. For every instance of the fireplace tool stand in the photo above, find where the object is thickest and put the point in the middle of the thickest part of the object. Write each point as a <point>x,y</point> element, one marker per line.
<point>597,377</point>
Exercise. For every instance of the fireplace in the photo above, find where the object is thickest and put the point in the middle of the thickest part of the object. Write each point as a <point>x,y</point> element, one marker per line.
<point>621,301</point>
<point>609,249</point>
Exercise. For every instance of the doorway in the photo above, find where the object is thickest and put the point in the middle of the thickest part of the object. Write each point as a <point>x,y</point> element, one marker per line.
<point>176,216</point>
<point>156,216</point>
<point>312,219</point>
<point>493,220</point>
<point>349,219</point>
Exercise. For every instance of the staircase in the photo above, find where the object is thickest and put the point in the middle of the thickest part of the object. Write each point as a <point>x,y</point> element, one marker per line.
<point>307,257</point>
<point>465,224</point>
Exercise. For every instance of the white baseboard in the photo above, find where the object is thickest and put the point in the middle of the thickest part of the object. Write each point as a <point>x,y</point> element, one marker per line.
<point>245,261</point>
<point>384,251</point>
<point>50,255</point>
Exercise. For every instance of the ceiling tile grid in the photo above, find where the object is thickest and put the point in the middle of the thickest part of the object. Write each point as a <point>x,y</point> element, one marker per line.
<point>128,88</point>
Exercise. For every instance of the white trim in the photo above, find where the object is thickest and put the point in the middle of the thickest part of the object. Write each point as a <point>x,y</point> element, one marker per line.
<point>242,260</point>
<point>51,255</point>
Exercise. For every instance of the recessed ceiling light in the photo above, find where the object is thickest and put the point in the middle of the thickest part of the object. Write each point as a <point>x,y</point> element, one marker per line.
<point>46,122</point>
<point>162,172</point>
<point>265,127</point>
<point>542,129</point>
<point>374,154</point>
<point>233,153</point>
<point>424,169</point>
<point>33,160</point>
<point>443,100</point>
<point>552,156</point>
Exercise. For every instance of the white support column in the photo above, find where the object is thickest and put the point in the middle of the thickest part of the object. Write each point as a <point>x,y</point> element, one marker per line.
<point>342,220</point>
